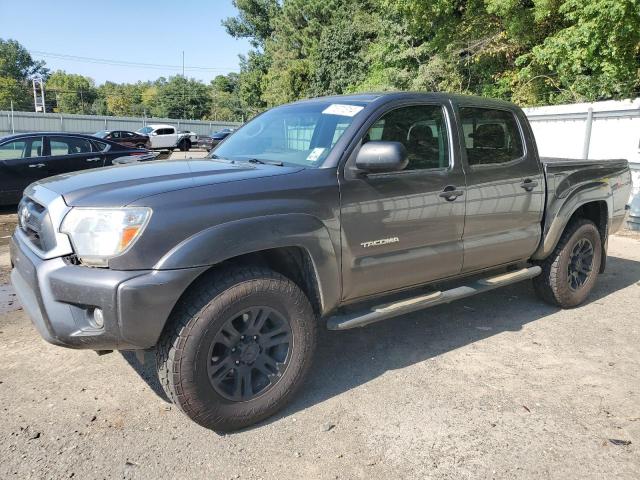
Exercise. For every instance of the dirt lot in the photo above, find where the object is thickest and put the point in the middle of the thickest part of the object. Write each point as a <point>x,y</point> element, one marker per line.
<point>496,386</point>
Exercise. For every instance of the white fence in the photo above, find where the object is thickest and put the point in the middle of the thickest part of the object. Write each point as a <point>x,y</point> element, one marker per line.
<point>588,130</point>
<point>22,122</point>
<point>592,130</point>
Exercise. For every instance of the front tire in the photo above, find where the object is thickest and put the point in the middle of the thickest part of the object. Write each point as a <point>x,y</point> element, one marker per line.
<point>570,272</point>
<point>237,348</point>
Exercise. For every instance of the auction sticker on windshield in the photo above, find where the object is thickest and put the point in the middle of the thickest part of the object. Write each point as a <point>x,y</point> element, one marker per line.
<point>342,110</point>
<point>315,154</point>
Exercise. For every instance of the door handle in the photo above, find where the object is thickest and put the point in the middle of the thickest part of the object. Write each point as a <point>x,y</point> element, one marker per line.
<point>450,193</point>
<point>37,165</point>
<point>528,184</point>
<point>94,159</point>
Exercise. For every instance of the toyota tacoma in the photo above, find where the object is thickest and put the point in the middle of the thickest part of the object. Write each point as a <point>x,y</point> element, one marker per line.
<point>333,212</point>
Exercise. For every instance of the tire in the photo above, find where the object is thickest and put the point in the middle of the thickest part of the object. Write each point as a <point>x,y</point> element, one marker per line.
<point>184,145</point>
<point>555,285</point>
<point>199,335</point>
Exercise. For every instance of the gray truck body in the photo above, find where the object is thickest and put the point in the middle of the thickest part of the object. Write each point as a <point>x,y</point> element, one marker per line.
<point>344,237</point>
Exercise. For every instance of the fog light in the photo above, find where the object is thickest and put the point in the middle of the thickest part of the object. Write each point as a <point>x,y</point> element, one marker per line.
<point>98,317</point>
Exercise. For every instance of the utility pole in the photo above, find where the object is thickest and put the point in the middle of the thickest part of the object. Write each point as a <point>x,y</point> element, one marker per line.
<point>184,86</point>
<point>44,104</point>
<point>35,96</point>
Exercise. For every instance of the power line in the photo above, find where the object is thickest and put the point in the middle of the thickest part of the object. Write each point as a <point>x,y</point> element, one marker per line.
<point>125,63</point>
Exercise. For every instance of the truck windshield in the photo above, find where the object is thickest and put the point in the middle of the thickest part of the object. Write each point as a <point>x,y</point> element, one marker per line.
<point>299,134</point>
<point>145,130</point>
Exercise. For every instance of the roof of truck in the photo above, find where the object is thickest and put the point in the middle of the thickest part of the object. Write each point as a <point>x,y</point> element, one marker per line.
<point>383,97</point>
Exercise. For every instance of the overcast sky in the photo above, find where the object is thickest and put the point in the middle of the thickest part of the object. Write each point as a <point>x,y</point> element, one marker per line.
<point>149,32</point>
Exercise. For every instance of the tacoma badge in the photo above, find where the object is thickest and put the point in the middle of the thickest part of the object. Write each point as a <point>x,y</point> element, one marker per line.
<point>382,241</point>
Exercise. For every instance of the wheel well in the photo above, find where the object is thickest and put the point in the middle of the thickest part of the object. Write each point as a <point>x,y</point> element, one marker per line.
<point>598,214</point>
<point>292,262</point>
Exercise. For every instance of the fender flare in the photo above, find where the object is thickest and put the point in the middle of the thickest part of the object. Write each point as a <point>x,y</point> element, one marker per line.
<point>566,202</point>
<point>249,235</point>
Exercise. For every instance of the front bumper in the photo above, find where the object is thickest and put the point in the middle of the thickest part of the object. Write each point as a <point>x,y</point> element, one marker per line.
<point>60,298</point>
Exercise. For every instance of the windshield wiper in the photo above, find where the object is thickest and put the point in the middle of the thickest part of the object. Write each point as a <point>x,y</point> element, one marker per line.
<point>216,157</point>
<point>266,162</point>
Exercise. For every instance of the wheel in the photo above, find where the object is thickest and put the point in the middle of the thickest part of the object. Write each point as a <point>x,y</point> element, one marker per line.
<point>237,348</point>
<point>570,272</point>
<point>184,145</point>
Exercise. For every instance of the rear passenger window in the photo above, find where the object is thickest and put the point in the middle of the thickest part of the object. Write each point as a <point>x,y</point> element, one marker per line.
<point>69,145</point>
<point>490,136</point>
<point>421,129</point>
<point>99,146</point>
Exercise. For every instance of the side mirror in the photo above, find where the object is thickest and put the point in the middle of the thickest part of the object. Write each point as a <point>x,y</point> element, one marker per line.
<point>154,133</point>
<point>378,157</point>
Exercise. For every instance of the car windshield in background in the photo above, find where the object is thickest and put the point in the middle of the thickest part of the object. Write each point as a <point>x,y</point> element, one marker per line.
<point>299,134</point>
<point>145,130</point>
<point>101,134</point>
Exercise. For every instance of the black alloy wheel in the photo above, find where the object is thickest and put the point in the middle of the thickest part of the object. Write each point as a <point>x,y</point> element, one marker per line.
<point>580,264</point>
<point>250,353</point>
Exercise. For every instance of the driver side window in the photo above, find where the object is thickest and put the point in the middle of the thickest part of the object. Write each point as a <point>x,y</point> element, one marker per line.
<point>421,129</point>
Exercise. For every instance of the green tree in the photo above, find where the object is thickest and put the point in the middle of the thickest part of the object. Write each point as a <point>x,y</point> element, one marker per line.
<point>179,97</point>
<point>529,51</point>
<point>17,68</point>
<point>253,69</point>
<point>13,91</point>
<point>16,62</point>
<point>225,101</point>
<point>341,61</point>
<point>73,93</point>
<point>254,20</point>
<point>594,56</point>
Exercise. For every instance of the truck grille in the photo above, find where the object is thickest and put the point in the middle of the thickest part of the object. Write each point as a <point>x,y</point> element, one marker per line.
<point>34,221</point>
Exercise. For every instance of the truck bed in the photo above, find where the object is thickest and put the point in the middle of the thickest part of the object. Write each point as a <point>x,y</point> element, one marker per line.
<point>574,162</point>
<point>573,181</point>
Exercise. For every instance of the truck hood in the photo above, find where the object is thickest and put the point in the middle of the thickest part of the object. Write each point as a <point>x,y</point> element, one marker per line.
<point>123,184</point>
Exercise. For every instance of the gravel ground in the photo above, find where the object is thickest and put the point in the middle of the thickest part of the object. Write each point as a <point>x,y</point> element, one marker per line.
<point>496,386</point>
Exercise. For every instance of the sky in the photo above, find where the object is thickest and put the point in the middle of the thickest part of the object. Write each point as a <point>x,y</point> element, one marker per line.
<point>146,32</point>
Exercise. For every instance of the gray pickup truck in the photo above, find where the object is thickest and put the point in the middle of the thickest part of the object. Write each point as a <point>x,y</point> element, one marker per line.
<point>336,212</point>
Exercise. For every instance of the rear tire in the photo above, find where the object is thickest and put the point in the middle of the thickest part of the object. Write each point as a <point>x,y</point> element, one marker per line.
<point>208,347</point>
<point>570,272</point>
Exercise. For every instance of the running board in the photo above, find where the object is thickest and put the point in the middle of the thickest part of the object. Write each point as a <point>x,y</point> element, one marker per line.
<point>390,310</point>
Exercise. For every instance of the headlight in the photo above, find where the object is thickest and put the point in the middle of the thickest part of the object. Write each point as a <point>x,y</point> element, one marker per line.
<point>98,234</point>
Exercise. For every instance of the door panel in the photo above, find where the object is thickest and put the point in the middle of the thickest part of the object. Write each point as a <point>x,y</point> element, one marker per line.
<point>166,137</point>
<point>503,221</point>
<point>397,230</point>
<point>22,163</point>
<point>71,154</point>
